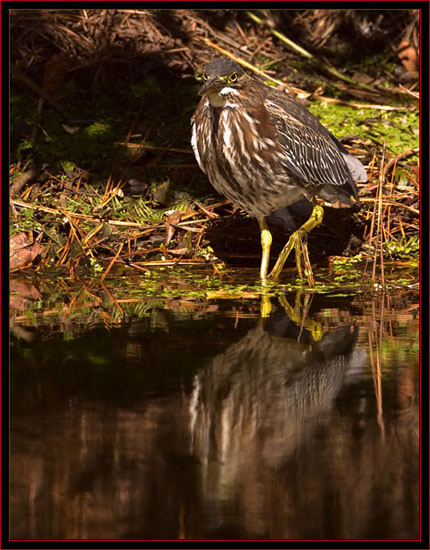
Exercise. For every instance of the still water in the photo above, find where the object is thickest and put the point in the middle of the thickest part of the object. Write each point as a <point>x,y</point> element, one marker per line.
<point>197,419</point>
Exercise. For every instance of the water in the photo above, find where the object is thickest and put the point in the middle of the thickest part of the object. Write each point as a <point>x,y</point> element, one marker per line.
<point>197,419</point>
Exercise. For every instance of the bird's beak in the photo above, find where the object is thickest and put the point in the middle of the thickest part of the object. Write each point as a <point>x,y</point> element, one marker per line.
<point>213,82</point>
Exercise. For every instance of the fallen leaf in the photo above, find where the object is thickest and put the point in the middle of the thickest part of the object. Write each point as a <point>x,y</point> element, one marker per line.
<point>173,218</point>
<point>178,251</point>
<point>22,251</point>
<point>408,56</point>
<point>161,193</point>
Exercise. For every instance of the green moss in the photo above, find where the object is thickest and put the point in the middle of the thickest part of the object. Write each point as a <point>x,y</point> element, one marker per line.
<point>399,129</point>
<point>403,249</point>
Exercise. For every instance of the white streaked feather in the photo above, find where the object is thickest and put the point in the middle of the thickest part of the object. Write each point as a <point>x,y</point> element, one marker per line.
<point>195,147</point>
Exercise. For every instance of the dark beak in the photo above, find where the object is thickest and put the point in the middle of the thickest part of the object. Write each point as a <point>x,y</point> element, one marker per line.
<point>213,82</point>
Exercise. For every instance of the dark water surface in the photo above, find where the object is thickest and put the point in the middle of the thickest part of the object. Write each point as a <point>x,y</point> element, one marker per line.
<point>198,419</point>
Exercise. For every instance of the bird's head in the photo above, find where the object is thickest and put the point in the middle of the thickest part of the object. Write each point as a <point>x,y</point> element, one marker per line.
<point>223,79</point>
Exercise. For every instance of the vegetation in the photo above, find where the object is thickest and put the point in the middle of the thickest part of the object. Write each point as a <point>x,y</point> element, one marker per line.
<point>103,178</point>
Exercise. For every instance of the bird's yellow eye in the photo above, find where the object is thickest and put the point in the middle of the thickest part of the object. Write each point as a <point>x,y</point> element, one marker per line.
<point>205,76</point>
<point>232,77</point>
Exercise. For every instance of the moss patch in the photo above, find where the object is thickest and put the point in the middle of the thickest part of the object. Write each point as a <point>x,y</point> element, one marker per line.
<point>399,129</point>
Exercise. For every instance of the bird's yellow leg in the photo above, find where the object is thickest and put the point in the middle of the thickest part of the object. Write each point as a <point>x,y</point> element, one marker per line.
<point>285,252</point>
<point>298,316</point>
<point>291,313</point>
<point>298,250</point>
<point>265,306</point>
<point>307,263</point>
<point>266,242</point>
<point>296,240</point>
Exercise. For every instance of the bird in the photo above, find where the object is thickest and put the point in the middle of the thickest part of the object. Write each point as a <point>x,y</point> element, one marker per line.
<point>263,150</point>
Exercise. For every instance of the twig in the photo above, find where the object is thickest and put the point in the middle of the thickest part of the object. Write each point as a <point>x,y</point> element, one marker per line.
<point>112,297</point>
<point>153,147</point>
<point>379,226</point>
<point>21,181</point>
<point>281,36</point>
<point>403,155</point>
<point>194,261</point>
<point>209,213</point>
<point>358,105</point>
<point>92,219</point>
<point>396,204</point>
<point>415,95</point>
<point>317,62</point>
<point>112,262</point>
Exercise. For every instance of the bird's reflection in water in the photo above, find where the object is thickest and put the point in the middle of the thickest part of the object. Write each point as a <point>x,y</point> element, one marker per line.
<point>263,396</point>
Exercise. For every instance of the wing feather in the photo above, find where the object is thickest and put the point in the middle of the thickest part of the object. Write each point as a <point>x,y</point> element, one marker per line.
<point>308,153</point>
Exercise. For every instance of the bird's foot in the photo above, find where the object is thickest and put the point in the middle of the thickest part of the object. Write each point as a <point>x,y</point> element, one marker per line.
<point>297,241</point>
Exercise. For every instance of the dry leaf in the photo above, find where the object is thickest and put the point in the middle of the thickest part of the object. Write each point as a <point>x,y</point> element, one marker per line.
<point>173,218</point>
<point>408,56</point>
<point>22,250</point>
